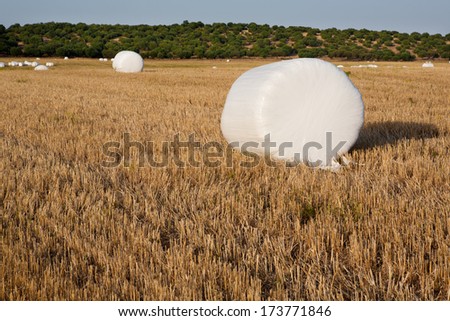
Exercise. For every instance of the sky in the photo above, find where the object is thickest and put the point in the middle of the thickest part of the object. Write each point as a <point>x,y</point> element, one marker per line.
<point>430,16</point>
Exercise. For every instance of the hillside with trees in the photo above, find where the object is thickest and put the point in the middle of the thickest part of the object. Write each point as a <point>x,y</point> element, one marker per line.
<point>218,40</point>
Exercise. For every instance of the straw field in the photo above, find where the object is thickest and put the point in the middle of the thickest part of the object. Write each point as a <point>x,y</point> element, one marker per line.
<point>75,229</point>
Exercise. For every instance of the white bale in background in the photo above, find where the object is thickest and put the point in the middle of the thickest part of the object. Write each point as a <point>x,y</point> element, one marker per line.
<point>340,66</point>
<point>26,63</point>
<point>105,59</point>
<point>19,64</point>
<point>2,65</point>
<point>301,103</point>
<point>128,61</point>
<point>66,58</point>
<point>364,66</point>
<point>428,64</point>
<point>41,68</point>
<point>49,64</point>
<point>34,64</point>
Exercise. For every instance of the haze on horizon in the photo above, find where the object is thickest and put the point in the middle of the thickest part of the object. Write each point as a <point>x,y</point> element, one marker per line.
<point>402,15</point>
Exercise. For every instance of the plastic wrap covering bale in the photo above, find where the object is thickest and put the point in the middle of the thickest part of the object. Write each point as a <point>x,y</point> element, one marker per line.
<point>128,61</point>
<point>41,68</point>
<point>2,65</point>
<point>309,107</point>
<point>428,64</point>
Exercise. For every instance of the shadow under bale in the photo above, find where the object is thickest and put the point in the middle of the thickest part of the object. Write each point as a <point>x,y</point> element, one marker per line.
<point>389,132</point>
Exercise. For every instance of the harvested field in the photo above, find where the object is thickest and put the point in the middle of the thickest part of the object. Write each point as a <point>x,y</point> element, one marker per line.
<point>74,229</point>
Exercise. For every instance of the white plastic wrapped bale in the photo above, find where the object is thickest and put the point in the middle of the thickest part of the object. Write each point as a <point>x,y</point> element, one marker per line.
<point>128,61</point>
<point>2,65</point>
<point>428,64</point>
<point>49,64</point>
<point>41,68</point>
<point>309,107</point>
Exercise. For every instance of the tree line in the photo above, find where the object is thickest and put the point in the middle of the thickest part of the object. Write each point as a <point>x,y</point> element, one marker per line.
<point>218,40</point>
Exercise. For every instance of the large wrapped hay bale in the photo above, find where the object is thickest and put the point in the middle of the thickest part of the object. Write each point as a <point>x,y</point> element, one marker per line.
<point>309,107</point>
<point>128,61</point>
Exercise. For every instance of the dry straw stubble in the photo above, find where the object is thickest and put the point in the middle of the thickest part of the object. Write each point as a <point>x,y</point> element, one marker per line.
<point>74,230</point>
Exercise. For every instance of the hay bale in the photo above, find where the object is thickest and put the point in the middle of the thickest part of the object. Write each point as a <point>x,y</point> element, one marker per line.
<point>128,62</point>
<point>428,64</point>
<point>41,68</point>
<point>301,104</point>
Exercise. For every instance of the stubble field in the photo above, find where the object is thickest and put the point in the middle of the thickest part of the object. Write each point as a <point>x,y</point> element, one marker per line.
<point>73,229</point>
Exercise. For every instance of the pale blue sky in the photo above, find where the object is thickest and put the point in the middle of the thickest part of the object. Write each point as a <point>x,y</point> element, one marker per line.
<point>402,15</point>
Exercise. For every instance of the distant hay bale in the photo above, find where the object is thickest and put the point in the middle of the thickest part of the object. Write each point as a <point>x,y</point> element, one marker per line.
<point>128,62</point>
<point>49,64</point>
<point>2,65</point>
<point>41,68</point>
<point>300,102</point>
<point>66,58</point>
<point>340,66</point>
<point>428,64</point>
<point>365,66</point>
